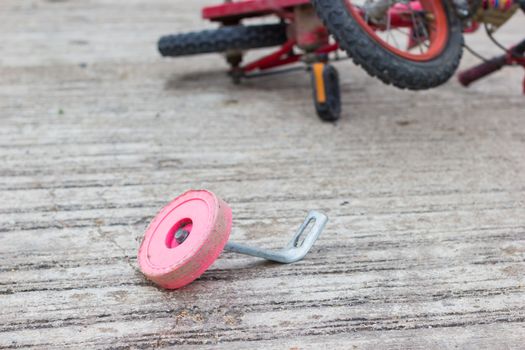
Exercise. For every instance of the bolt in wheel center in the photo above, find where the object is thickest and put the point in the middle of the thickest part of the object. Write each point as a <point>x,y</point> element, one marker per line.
<point>181,235</point>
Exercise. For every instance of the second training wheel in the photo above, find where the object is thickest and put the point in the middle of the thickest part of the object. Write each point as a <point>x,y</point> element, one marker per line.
<point>326,91</point>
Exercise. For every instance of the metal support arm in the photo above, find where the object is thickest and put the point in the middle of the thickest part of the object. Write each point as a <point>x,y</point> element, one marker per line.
<point>295,250</point>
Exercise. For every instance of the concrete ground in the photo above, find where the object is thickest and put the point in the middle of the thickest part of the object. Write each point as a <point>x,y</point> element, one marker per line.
<point>425,247</point>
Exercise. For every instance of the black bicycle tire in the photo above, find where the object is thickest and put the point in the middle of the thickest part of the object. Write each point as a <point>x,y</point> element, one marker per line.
<point>379,62</point>
<point>238,37</point>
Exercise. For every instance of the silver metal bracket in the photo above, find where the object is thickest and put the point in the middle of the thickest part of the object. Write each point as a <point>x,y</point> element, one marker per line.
<point>295,250</point>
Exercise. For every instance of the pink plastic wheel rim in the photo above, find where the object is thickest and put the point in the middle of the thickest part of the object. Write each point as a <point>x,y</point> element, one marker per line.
<point>172,265</point>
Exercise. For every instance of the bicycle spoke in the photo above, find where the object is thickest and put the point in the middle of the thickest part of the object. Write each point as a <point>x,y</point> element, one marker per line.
<point>392,27</point>
<point>415,28</point>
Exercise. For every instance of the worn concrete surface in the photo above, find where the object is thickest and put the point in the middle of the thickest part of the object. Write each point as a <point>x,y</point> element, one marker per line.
<point>425,247</point>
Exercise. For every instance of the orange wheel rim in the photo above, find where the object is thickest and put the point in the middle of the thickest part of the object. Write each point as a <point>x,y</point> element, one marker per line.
<point>437,31</point>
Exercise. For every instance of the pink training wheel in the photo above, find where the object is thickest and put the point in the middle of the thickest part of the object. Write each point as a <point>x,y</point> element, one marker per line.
<point>184,239</point>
